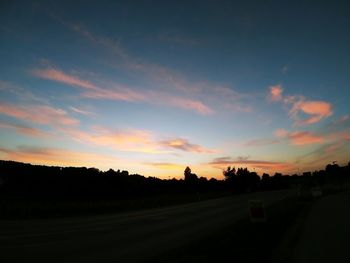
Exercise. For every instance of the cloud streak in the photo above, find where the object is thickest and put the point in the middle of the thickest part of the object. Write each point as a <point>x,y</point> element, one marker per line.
<point>24,130</point>
<point>223,162</point>
<point>185,145</point>
<point>41,114</point>
<point>59,157</point>
<point>300,137</point>
<point>316,110</point>
<point>164,77</point>
<point>122,93</point>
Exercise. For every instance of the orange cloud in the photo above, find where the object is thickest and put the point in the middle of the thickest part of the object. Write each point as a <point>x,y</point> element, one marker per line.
<point>129,140</point>
<point>185,145</point>
<point>316,109</point>
<point>167,166</point>
<point>59,157</point>
<point>223,162</point>
<point>302,138</point>
<point>275,93</point>
<point>299,137</point>
<point>25,130</point>
<point>38,114</point>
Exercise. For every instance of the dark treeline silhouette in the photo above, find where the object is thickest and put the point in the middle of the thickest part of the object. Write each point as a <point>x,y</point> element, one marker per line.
<point>20,181</point>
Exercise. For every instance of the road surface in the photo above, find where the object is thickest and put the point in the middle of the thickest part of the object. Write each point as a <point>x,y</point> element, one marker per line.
<point>326,232</point>
<point>128,237</point>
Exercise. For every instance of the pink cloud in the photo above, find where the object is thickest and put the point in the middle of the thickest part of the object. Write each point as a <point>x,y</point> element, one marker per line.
<point>299,137</point>
<point>59,76</point>
<point>190,104</point>
<point>275,93</point>
<point>38,114</point>
<point>223,162</point>
<point>317,110</point>
<point>302,138</point>
<point>164,77</point>
<point>122,93</point>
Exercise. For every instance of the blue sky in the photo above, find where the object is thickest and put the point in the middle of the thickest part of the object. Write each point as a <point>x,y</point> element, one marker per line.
<point>154,86</point>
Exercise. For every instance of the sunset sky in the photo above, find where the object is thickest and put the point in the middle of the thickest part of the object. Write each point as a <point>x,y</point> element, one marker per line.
<point>153,86</point>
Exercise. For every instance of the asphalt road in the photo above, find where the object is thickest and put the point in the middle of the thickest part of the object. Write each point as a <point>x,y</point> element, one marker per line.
<point>128,237</point>
<point>326,232</point>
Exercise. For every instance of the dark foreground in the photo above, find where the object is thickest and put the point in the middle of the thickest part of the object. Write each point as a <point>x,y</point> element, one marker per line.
<point>129,237</point>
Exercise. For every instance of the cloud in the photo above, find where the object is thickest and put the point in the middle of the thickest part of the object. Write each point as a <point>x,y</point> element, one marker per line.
<point>190,104</point>
<point>223,162</point>
<point>82,112</point>
<point>121,140</point>
<point>21,93</point>
<point>260,142</point>
<point>185,145</point>
<point>38,114</point>
<point>165,79</point>
<point>275,93</point>
<point>316,110</point>
<point>22,129</point>
<point>59,76</point>
<point>300,137</point>
<point>59,157</point>
<point>167,166</point>
<point>122,93</point>
<point>133,140</point>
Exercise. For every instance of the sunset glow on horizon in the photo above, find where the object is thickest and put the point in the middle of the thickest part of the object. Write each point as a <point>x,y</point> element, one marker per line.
<point>153,87</point>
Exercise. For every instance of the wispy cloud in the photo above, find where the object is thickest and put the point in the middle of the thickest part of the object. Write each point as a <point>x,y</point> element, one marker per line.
<point>300,137</point>
<point>316,110</point>
<point>82,111</point>
<point>122,93</point>
<point>121,140</point>
<point>166,79</point>
<point>134,140</point>
<point>38,114</point>
<point>185,145</point>
<point>223,162</point>
<point>59,76</point>
<point>261,142</point>
<point>59,157</point>
<point>167,166</point>
<point>24,130</point>
<point>20,92</point>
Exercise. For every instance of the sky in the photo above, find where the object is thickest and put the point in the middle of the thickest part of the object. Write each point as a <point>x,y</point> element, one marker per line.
<point>154,86</point>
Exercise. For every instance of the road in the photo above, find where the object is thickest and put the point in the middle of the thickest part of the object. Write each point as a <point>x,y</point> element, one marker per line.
<point>128,237</point>
<point>326,232</point>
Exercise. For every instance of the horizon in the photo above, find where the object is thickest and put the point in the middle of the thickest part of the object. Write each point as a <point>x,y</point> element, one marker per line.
<point>154,87</point>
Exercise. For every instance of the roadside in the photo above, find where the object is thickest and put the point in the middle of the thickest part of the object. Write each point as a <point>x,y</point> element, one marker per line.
<point>325,236</point>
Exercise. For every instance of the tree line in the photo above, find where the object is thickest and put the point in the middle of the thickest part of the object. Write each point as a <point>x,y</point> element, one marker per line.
<point>26,180</point>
